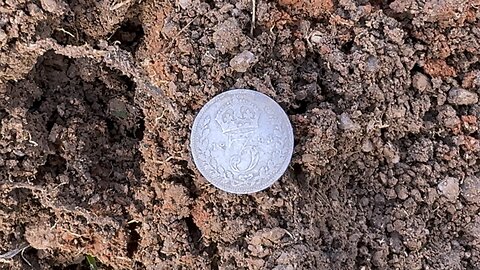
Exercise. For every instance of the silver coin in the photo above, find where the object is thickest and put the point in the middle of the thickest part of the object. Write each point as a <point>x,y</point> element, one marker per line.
<point>241,141</point>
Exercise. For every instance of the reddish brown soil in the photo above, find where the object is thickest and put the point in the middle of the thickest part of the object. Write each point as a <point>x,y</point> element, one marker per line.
<point>97,99</point>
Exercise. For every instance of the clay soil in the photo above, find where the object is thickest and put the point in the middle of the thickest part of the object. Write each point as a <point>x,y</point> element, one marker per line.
<point>97,99</point>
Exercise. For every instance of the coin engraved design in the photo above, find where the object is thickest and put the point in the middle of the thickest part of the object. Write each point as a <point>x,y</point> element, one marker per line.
<point>242,141</point>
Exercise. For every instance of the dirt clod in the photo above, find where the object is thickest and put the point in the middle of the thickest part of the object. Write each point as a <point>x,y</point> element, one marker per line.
<point>57,7</point>
<point>227,36</point>
<point>459,96</point>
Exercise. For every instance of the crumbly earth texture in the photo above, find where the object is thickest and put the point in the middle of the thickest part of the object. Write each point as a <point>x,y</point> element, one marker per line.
<point>97,99</point>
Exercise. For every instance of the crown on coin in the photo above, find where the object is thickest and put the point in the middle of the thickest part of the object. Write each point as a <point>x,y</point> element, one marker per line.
<point>240,116</point>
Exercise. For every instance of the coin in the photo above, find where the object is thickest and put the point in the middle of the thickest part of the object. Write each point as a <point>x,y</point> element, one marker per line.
<point>241,141</point>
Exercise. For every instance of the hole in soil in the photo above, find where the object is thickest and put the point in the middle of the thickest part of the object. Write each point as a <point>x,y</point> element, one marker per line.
<point>3,113</point>
<point>475,66</point>
<point>52,120</point>
<point>137,131</point>
<point>416,68</point>
<point>54,165</point>
<point>80,108</point>
<point>43,29</point>
<point>140,128</point>
<point>212,252</point>
<point>347,47</point>
<point>302,107</point>
<point>211,3</point>
<point>299,175</point>
<point>133,238</point>
<point>430,115</point>
<point>194,232</point>
<point>129,35</point>
<point>36,104</point>
<point>68,32</point>
<point>113,128</point>
<point>381,3</point>
<point>186,179</point>
<point>257,31</point>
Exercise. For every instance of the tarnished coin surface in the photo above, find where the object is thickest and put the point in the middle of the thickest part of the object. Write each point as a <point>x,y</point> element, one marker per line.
<point>241,141</point>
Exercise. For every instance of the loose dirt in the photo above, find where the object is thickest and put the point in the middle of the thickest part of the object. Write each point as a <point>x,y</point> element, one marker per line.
<point>97,99</point>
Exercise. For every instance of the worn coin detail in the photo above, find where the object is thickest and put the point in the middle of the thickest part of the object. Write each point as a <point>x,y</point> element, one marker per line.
<point>241,141</point>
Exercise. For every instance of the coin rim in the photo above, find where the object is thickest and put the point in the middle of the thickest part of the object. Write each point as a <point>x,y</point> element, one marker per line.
<point>193,137</point>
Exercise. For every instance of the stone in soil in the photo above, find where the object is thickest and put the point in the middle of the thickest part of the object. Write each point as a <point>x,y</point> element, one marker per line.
<point>449,188</point>
<point>460,96</point>
<point>242,61</point>
<point>471,189</point>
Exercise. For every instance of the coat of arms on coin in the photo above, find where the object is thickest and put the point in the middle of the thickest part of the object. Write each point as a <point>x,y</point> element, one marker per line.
<point>242,141</point>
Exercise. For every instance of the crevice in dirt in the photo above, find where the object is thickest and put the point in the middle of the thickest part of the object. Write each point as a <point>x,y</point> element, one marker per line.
<point>302,107</point>
<point>187,179</point>
<point>194,233</point>
<point>347,46</point>
<point>133,238</point>
<point>257,31</point>
<point>430,115</point>
<point>475,66</point>
<point>417,68</point>
<point>380,3</point>
<point>300,175</point>
<point>211,3</point>
<point>212,251</point>
<point>80,106</point>
<point>52,120</point>
<point>65,36</point>
<point>36,104</point>
<point>129,35</point>
<point>113,128</point>
<point>54,165</point>
<point>138,130</point>
<point>3,114</point>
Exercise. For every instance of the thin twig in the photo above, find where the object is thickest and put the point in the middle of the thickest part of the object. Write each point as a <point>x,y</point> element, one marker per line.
<point>12,253</point>
<point>23,256</point>
<point>66,32</point>
<point>254,11</point>
<point>116,5</point>
<point>185,27</point>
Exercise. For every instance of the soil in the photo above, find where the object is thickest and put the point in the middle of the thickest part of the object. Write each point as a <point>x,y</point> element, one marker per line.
<point>97,99</point>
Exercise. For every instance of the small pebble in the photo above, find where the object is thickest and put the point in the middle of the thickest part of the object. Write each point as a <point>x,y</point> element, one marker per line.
<point>227,36</point>
<point>459,96</point>
<point>421,82</point>
<point>57,7</point>
<point>449,188</point>
<point>184,3</point>
<point>345,123</point>
<point>367,146</point>
<point>241,62</point>
<point>391,154</point>
<point>447,117</point>
<point>471,189</point>
<point>372,64</point>
<point>402,192</point>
